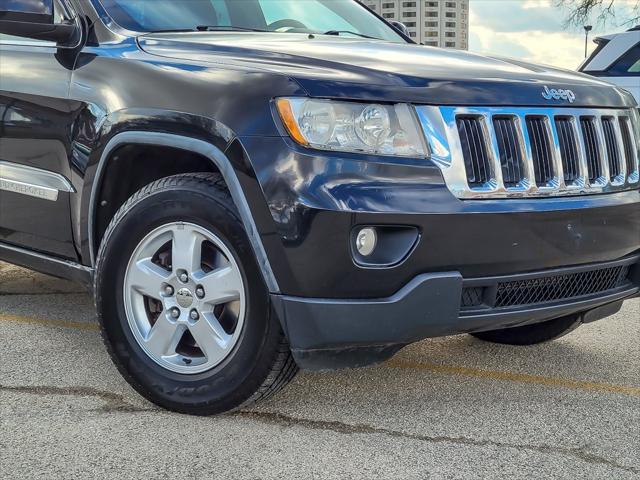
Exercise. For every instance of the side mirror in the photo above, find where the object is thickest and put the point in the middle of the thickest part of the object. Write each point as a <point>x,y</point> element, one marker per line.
<point>401,27</point>
<point>35,19</point>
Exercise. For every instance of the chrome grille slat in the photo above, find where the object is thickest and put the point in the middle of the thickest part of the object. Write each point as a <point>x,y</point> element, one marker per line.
<point>613,149</point>
<point>541,150</point>
<point>568,149</point>
<point>603,157</point>
<point>480,145</point>
<point>631,156</point>
<point>515,152</point>
<point>592,144</point>
<point>492,152</point>
<point>474,151</point>
<point>509,151</point>
<point>558,182</point>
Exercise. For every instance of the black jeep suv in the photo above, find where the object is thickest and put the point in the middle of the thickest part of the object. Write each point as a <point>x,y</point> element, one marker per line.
<point>253,186</point>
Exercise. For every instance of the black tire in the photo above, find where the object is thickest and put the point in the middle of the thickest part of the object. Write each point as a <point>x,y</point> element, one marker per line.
<point>532,334</point>
<point>260,363</point>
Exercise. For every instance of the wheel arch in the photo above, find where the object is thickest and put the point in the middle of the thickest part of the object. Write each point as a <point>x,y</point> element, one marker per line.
<point>218,161</point>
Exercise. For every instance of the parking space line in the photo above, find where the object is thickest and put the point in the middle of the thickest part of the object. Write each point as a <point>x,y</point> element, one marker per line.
<point>517,377</point>
<point>408,364</point>
<point>49,323</point>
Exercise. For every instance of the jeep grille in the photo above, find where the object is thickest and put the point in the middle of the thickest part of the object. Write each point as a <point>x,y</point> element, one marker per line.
<point>529,152</point>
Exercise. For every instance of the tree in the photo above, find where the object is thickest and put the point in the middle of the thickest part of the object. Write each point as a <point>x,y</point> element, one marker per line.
<point>581,12</point>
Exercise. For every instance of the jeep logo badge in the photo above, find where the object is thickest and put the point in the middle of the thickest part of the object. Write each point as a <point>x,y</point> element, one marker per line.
<point>553,94</point>
<point>184,297</point>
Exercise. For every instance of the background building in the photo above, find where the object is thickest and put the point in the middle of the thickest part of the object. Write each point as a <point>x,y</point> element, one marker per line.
<point>438,23</point>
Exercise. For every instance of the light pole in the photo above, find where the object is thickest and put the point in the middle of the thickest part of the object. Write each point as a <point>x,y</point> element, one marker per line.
<point>587,29</point>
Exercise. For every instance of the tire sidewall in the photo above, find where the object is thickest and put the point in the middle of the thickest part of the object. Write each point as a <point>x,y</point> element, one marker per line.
<point>234,380</point>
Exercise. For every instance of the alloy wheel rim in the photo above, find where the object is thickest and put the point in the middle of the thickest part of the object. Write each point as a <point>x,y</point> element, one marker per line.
<point>184,298</point>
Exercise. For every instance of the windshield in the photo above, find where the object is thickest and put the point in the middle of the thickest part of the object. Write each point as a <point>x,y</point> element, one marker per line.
<point>333,17</point>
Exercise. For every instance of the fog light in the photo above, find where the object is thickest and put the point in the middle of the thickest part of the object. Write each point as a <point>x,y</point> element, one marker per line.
<point>366,241</point>
<point>382,246</point>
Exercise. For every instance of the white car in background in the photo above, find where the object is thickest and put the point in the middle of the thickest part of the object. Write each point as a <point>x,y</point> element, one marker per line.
<point>617,60</point>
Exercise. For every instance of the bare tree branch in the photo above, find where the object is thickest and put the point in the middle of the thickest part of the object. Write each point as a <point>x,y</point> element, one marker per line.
<point>581,12</point>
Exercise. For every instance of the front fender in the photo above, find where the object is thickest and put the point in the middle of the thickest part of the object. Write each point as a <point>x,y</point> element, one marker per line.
<point>206,137</point>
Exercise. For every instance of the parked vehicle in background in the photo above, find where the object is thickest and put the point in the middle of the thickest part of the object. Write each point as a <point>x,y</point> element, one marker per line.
<point>617,60</point>
<point>254,186</point>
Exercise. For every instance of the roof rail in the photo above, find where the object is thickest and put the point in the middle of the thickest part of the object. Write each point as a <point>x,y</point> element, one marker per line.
<point>634,29</point>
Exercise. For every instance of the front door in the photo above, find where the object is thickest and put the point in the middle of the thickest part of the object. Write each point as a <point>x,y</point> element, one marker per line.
<point>36,121</point>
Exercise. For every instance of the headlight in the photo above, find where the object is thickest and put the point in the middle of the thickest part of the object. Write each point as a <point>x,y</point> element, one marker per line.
<point>353,127</point>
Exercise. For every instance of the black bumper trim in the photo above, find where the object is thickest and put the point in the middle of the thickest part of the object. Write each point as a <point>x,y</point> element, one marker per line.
<point>312,323</point>
<point>335,333</point>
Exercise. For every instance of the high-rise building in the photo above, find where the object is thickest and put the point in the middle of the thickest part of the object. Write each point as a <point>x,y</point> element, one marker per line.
<point>438,23</point>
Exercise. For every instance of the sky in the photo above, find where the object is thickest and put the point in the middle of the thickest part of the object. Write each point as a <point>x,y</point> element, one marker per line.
<point>533,30</point>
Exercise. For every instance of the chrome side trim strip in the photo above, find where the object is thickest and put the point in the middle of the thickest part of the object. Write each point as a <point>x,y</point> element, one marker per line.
<point>33,182</point>
<point>440,128</point>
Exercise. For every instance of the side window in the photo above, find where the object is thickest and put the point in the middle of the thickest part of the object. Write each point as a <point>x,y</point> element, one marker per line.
<point>628,65</point>
<point>60,14</point>
<point>39,7</point>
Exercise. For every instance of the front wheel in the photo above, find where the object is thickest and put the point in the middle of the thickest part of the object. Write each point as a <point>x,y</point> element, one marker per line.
<point>532,334</point>
<point>184,312</point>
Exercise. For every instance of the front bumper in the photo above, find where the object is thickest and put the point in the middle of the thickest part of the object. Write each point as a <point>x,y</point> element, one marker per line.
<point>338,333</point>
<point>339,313</point>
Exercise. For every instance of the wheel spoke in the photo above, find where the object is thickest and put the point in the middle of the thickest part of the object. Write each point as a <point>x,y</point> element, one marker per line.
<point>164,336</point>
<point>186,250</point>
<point>211,337</point>
<point>147,278</point>
<point>221,286</point>
<point>167,273</point>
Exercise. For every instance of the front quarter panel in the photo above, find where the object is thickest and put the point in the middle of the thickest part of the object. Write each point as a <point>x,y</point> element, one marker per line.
<point>121,89</point>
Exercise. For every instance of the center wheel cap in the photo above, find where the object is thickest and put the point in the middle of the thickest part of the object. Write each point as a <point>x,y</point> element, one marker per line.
<point>184,297</point>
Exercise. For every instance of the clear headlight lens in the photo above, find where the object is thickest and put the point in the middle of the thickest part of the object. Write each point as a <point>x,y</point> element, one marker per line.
<point>353,127</point>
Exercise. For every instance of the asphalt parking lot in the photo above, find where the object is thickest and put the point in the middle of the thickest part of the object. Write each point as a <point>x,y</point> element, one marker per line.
<point>444,408</point>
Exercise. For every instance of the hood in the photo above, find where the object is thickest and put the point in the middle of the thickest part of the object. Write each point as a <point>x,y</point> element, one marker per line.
<point>340,67</point>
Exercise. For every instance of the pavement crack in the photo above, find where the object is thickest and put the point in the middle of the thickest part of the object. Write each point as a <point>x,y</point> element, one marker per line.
<point>579,453</point>
<point>113,402</point>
